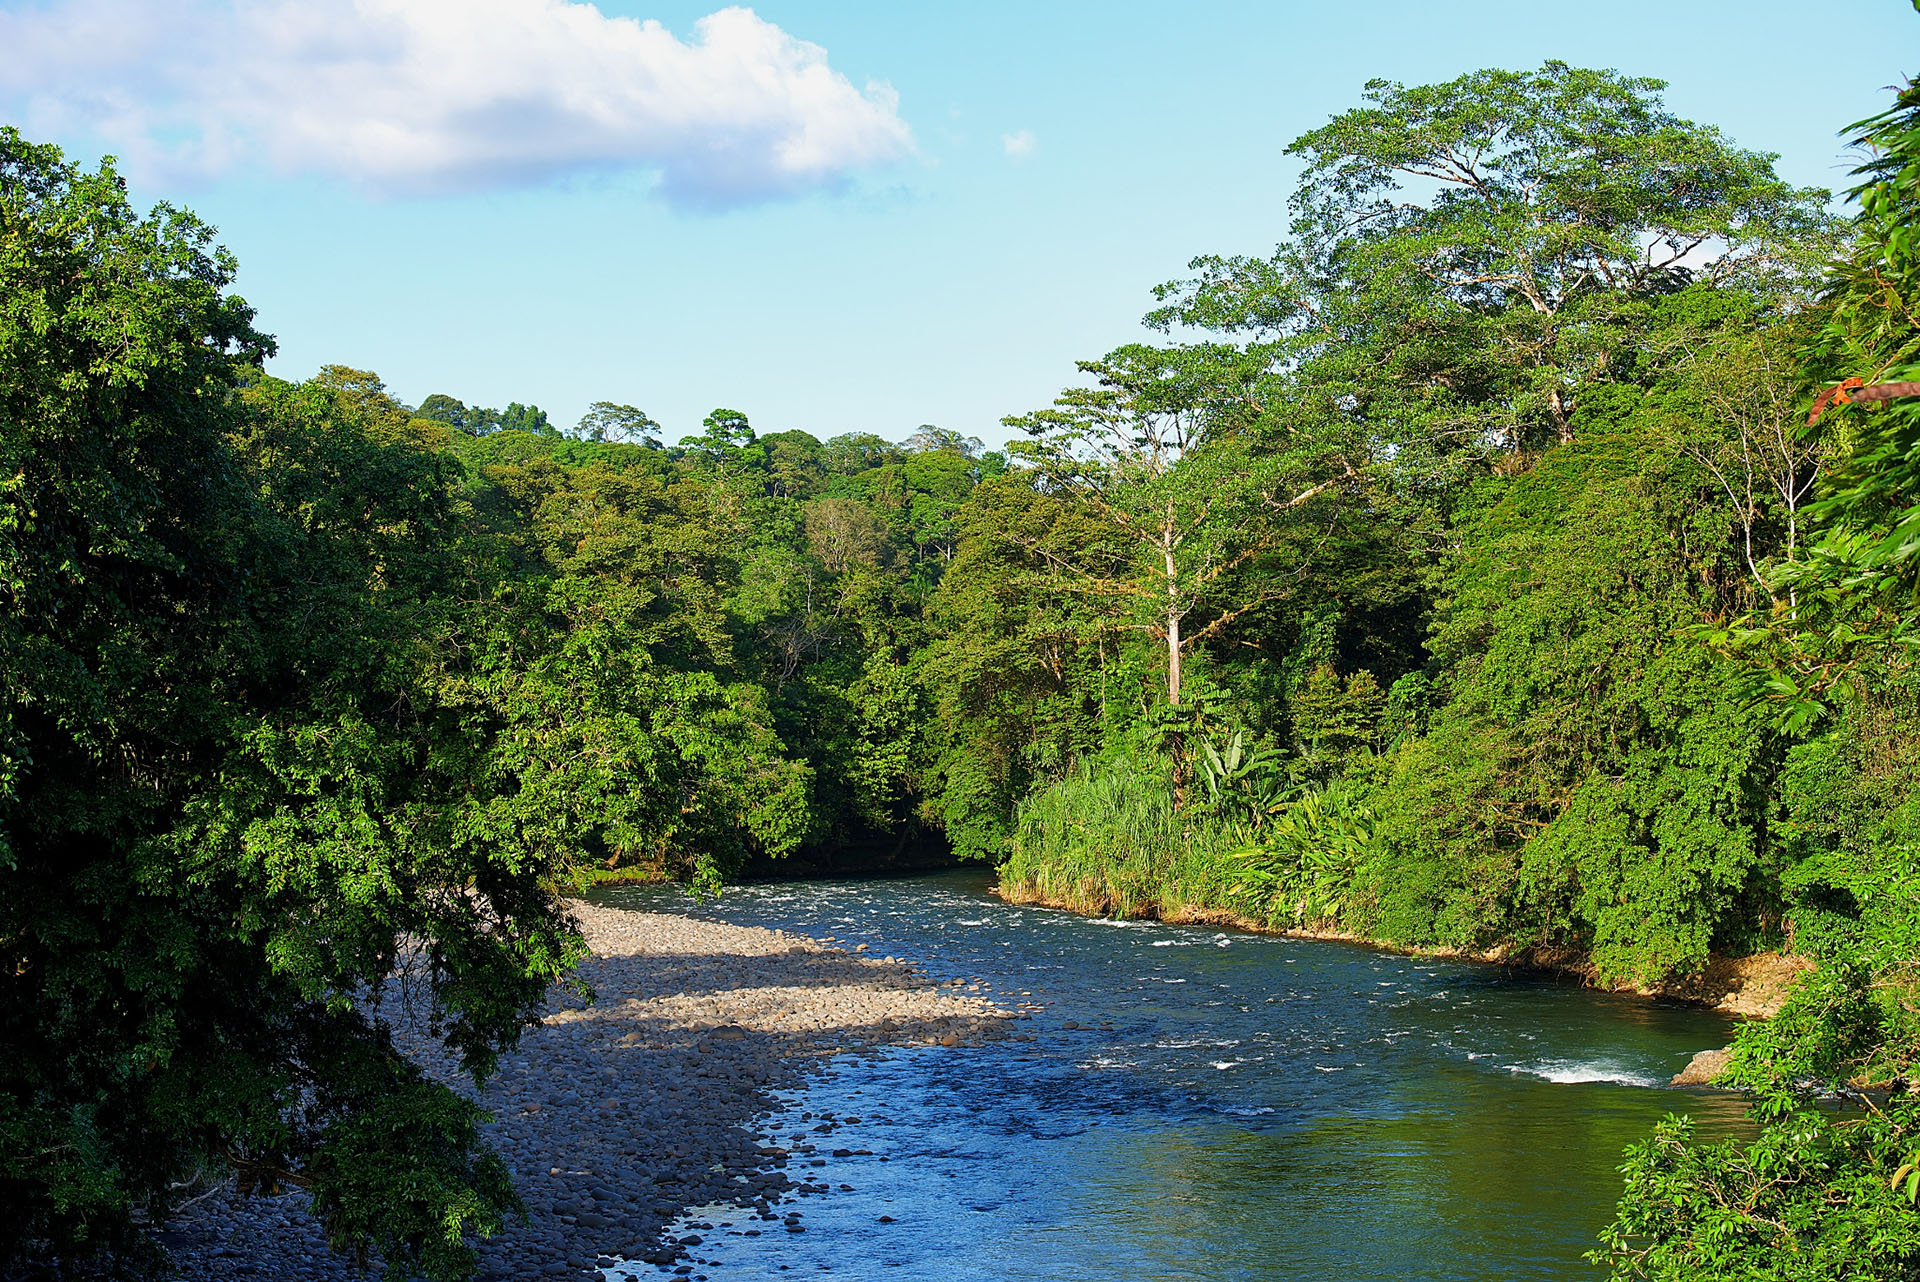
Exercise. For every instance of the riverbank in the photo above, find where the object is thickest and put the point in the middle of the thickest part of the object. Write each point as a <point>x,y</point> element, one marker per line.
<point>616,1117</point>
<point>1751,987</point>
<point>1467,1122</point>
<point>855,858</point>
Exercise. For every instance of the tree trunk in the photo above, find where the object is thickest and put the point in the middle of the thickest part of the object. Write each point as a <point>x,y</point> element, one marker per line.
<point>1173,629</point>
<point>1558,409</point>
<point>1173,659</point>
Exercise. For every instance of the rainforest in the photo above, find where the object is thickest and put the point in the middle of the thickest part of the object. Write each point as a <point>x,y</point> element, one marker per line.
<point>1521,562</point>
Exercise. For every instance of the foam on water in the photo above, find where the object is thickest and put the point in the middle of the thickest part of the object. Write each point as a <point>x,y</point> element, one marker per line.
<point>1110,1061</point>
<point>1567,1072</point>
<point>1401,1084</point>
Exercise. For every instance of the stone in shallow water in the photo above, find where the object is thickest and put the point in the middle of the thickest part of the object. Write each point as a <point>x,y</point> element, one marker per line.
<point>1703,1068</point>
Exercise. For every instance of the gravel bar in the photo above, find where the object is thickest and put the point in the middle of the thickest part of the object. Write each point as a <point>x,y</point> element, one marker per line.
<point>618,1116</point>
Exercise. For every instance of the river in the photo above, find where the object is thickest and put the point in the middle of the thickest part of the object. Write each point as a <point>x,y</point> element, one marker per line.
<point>1231,1106</point>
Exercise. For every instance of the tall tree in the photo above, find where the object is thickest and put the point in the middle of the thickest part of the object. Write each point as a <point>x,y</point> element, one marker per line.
<point>530,419</point>
<point>1158,448</point>
<point>238,778</point>
<point>728,439</point>
<point>606,421</point>
<point>1830,1186</point>
<point>1468,257</point>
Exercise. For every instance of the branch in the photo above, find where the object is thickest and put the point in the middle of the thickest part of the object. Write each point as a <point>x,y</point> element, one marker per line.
<point>1221,621</point>
<point>1311,493</point>
<point>1094,584</point>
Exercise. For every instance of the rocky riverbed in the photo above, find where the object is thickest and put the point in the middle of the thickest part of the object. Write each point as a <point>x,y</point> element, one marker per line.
<point>661,1096</point>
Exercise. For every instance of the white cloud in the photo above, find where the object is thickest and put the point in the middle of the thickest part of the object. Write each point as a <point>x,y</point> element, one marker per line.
<point>423,97</point>
<point>1019,144</point>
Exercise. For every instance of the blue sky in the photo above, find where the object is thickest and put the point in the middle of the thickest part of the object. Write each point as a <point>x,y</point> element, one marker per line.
<point>990,190</point>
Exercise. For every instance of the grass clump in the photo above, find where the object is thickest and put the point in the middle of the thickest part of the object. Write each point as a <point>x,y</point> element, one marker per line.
<point>1254,843</point>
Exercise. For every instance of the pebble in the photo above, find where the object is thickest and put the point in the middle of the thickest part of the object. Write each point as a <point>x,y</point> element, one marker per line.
<point>618,1116</point>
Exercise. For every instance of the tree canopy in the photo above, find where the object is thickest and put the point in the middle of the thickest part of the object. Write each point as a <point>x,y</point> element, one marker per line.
<point>1519,560</point>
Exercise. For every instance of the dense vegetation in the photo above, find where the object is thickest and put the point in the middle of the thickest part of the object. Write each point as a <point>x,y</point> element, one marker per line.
<point>1464,574</point>
<point>298,686</point>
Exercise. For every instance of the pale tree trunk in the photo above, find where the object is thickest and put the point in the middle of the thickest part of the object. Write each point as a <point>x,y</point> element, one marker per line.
<point>1173,659</point>
<point>1174,613</point>
<point>1558,409</point>
<point>1173,627</point>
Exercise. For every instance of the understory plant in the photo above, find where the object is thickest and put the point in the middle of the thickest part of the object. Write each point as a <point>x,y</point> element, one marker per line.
<point>1260,841</point>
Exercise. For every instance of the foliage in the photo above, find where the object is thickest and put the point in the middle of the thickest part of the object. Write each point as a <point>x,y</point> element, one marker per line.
<point>1468,258</point>
<point>1804,1203</point>
<point>480,421</point>
<point>1586,784</point>
<point>1109,838</point>
<point>1458,576</point>
<point>298,686</point>
<point>607,421</point>
<point>1827,1187</point>
<point>1873,525</point>
<point>1511,313</point>
<point>1240,778</point>
<point>1158,452</point>
<point>236,781</point>
<point>1332,720</point>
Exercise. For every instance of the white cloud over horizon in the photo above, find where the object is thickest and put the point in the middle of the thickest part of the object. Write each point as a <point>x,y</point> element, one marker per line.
<point>433,97</point>
<point>1019,144</point>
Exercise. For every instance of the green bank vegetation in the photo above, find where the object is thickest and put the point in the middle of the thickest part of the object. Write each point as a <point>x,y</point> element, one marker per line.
<point>1464,574</point>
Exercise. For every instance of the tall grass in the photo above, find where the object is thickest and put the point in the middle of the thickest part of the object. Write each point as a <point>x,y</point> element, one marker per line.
<point>1101,840</point>
<point>1108,839</point>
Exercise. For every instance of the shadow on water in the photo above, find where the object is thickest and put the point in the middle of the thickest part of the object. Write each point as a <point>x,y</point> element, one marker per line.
<point>1212,1104</point>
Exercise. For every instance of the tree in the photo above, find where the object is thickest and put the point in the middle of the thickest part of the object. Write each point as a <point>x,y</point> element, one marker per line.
<point>854,452</point>
<point>1467,258</point>
<point>728,441</point>
<point>1588,781</point>
<point>1158,449</point>
<point>238,776</point>
<point>1827,1188</point>
<point>882,751</point>
<point>442,408</point>
<point>530,419</point>
<point>606,421</point>
<point>937,484</point>
<point>474,420</point>
<point>845,536</point>
<point>928,439</point>
<point>1871,546</point>
<point>1020,673</point>
<point>1331,719</point>
<point>1736,366</point>
<point>796,464</point>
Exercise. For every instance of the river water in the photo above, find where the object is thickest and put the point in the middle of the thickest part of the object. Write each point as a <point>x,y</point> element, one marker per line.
<point>1241,1107</point>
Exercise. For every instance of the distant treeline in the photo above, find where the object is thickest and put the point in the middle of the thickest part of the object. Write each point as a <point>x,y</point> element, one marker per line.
<point>1463,574</point>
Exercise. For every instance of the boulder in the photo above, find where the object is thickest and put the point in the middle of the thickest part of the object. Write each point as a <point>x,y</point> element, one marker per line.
<point>1703,1068</point>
